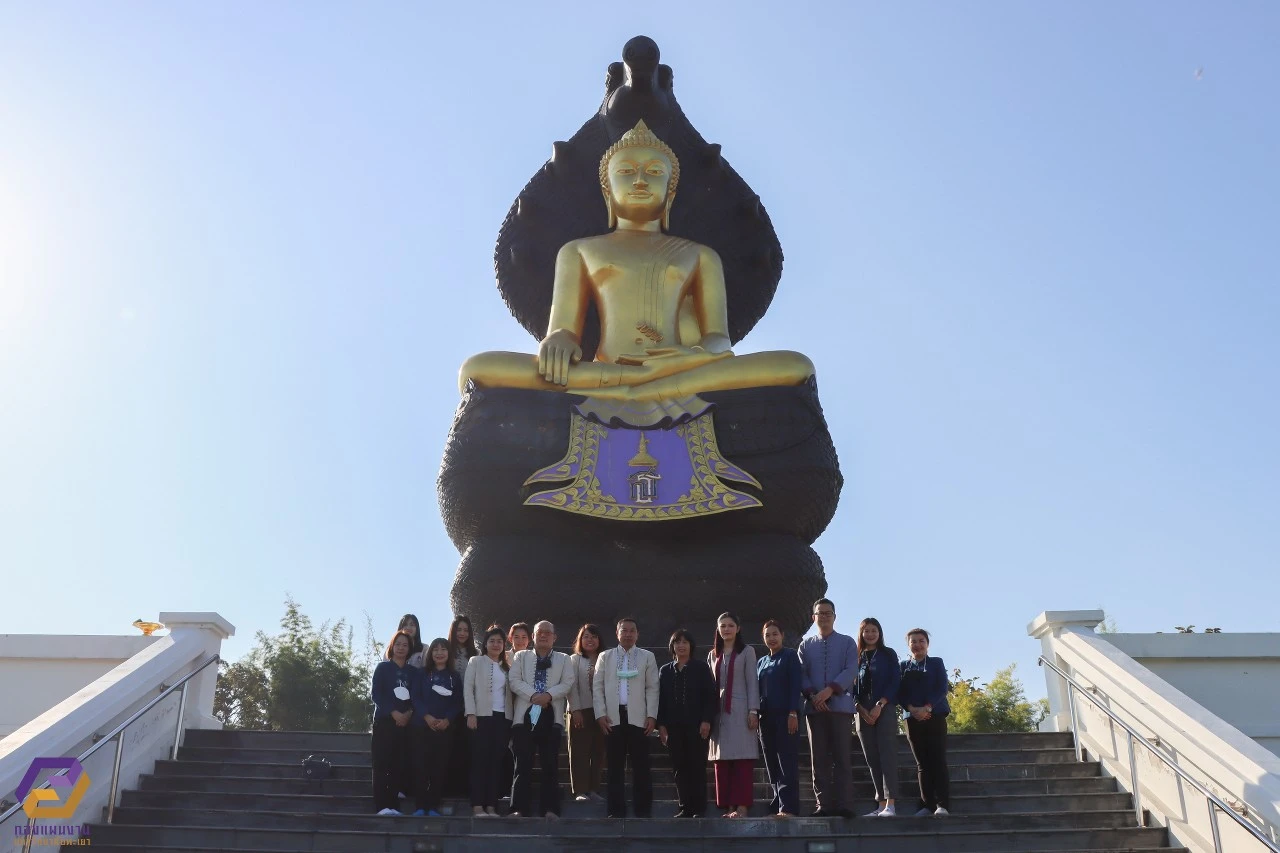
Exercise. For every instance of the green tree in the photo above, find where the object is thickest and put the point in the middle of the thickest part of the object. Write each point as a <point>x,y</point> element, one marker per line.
<point>998,706</point>
<point>1107,625</point>
<point>303,679</point>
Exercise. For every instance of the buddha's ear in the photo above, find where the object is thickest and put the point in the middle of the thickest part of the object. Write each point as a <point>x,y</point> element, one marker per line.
<point>608,204</point>
<point>666,212</point>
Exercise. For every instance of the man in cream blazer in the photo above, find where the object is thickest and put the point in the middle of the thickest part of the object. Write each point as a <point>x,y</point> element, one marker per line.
<point>626,706</point>
<point>540,680</point>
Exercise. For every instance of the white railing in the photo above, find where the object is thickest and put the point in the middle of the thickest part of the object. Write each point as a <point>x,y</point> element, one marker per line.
<point>117,736</point>
<point>143,703</point>
<point>1215,804</point>
<point>1183,765</point>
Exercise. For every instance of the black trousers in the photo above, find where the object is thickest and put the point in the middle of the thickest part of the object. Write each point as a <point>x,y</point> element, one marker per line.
<point>627,742</point>
<point>431,750</point>
<point>928,740</point>
<point>782,760</point>
<point>457,782</point>
<point>488,745</point>
<point>689,764</point>
<point>544,739</point>
<point>391,750</point>
<point>508,771</point>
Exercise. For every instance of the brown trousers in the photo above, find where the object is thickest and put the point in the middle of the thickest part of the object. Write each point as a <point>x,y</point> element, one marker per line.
<point>586,755</point>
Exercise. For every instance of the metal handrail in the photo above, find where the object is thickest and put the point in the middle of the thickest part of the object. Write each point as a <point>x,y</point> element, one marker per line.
<point>118,734</point>
<point>1215,802</point>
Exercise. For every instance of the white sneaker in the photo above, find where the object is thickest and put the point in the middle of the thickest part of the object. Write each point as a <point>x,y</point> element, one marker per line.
<point>873,813</point>
<point>582,798</point>
<point>389,812</point>
<point>888,811</point>
<point>941,812</point>
<point>923,813</point>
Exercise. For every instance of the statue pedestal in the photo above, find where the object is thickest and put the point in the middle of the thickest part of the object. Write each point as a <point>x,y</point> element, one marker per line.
<point>524,562</point>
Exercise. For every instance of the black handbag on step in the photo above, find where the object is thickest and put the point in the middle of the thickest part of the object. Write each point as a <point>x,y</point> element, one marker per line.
<point>316,768</point>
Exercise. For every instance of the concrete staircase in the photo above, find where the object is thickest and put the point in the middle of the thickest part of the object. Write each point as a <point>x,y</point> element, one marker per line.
<point>244,791</point>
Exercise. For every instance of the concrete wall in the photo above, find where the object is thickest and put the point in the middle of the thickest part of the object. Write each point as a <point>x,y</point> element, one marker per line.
<point>39,671</point>
<point>1236,676</point>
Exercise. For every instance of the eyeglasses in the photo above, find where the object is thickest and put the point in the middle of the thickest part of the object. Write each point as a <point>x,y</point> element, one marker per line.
<point>824,613</point>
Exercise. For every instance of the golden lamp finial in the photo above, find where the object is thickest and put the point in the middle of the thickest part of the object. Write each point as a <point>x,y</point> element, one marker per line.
<point>147,628</point>
<point>642,459</point>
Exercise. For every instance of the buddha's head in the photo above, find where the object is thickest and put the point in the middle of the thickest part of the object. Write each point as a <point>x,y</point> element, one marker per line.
<point>638,176</point>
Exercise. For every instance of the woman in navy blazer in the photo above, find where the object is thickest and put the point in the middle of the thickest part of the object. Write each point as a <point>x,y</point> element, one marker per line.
<point>393,718</point>
<point>437,702</point>
<point>780,703</point>
<point>923,695</point>
<point>877,721</point>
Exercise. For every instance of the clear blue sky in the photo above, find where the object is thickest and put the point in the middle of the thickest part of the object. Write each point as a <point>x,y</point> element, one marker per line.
<point>244,248</point>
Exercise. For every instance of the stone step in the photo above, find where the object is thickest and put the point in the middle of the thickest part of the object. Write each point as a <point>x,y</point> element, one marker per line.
<point>361,804</point>
<point>469,835</point>
<point>339,821</point>
<point>430,846</point>
<point>242,791</point>
<point>969,772</point>
<point>361,787</point>
<point>308,742</point>
<point>362,757</point>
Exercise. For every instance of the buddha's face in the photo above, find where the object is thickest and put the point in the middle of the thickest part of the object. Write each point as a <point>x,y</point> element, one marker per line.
<point>638,182</point>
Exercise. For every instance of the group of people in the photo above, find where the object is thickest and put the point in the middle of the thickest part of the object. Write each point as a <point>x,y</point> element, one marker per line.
<point>468,717</point>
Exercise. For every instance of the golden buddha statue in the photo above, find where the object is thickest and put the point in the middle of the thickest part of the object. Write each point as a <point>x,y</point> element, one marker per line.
<point>664,330</point>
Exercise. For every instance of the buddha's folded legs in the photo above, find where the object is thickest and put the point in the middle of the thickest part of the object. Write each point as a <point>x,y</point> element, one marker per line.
<point>753,370</point>
<point>638,382</point>
<point>520,370</point>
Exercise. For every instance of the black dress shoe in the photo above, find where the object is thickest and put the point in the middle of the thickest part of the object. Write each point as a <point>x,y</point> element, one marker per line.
<point>821,813</point>
<point>681,813</point>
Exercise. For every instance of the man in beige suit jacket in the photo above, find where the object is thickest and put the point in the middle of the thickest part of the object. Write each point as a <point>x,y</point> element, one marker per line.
<point>540,680</point>
<point>626,706</point>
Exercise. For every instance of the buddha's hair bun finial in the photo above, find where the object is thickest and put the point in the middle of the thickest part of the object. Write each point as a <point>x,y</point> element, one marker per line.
<point>640,136</point>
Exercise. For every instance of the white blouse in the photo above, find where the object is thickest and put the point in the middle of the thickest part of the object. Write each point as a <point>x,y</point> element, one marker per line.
<point>499,688</point>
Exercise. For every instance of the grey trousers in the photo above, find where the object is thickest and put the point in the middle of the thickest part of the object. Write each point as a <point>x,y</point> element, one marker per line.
<point>830,746</point>
<point>880,746</point>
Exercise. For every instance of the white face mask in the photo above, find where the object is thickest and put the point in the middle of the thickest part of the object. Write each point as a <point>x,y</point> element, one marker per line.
<point>442,690</point>
<point>628,673</point>
<point>401,692</point>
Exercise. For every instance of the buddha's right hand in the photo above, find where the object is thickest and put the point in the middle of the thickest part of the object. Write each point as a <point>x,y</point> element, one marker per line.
<point>557,351</point>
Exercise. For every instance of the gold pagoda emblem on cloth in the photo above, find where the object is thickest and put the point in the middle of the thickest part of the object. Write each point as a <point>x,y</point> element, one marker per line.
<point>604,475</point>
<point>644,483</point>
